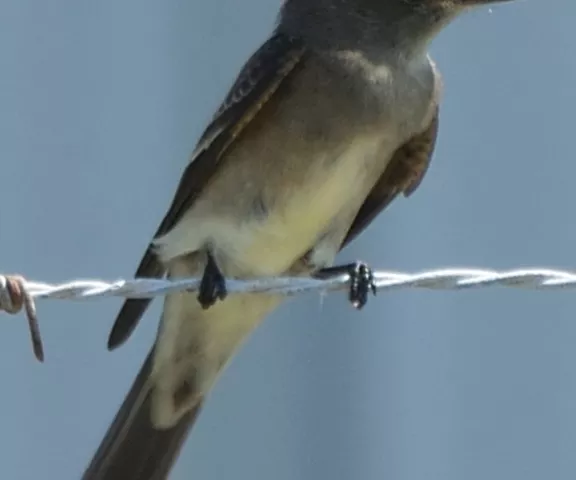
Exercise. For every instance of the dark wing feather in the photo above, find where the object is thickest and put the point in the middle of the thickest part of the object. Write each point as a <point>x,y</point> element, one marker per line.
<point>255,85</point>
<point>403,175</point>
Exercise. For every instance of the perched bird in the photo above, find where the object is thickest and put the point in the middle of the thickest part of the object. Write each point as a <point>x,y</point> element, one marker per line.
<point>333,117</point>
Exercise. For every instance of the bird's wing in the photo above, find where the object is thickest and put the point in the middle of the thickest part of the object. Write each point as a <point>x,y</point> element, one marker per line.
<point>403,175</point>
<point>256,84</point>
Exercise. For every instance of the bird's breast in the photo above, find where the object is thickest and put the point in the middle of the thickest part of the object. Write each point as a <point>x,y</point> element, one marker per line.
<point>288,211</point>
<point>303,166</point>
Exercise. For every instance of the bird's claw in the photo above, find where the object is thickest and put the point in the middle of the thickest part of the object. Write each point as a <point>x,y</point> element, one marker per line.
<point>361,284</point>
<point>361,281</point>
<point>213,284</point>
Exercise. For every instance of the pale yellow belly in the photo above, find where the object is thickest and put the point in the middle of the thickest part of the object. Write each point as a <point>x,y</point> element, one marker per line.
<point>302,209</point>
<point>269,246</point>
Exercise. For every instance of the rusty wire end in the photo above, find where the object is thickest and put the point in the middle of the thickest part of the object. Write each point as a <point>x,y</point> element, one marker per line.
<point>13,296</point>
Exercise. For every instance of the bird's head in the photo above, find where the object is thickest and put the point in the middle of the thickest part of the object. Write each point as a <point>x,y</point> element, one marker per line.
<point>406,24</point>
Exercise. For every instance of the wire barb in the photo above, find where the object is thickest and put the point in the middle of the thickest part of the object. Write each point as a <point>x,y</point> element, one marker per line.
<point>17,292</point>
<point>14,295</point>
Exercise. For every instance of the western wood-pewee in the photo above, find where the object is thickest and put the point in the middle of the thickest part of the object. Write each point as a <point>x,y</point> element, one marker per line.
<point>332,118</point>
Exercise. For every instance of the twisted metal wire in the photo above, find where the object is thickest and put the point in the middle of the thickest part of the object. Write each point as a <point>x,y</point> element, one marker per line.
<point>16,292</point>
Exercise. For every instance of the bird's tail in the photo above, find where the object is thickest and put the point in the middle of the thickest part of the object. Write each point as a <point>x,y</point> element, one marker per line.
<point>132,448</point>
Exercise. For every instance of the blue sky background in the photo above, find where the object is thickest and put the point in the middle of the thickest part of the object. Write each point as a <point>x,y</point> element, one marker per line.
<point>100,106</point>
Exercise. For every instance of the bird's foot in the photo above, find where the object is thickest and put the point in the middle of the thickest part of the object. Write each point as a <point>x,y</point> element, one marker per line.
<point>213,284</point>
<point>361,281</point>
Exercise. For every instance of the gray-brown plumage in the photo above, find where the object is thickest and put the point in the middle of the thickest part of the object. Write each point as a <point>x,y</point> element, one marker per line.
<point>332,118</point>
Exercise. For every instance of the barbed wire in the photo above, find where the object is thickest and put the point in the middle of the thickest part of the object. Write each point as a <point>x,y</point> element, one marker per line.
<point>16,292</point>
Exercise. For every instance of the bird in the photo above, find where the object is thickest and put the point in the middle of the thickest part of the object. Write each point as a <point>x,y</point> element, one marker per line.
<point>331,119</point>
